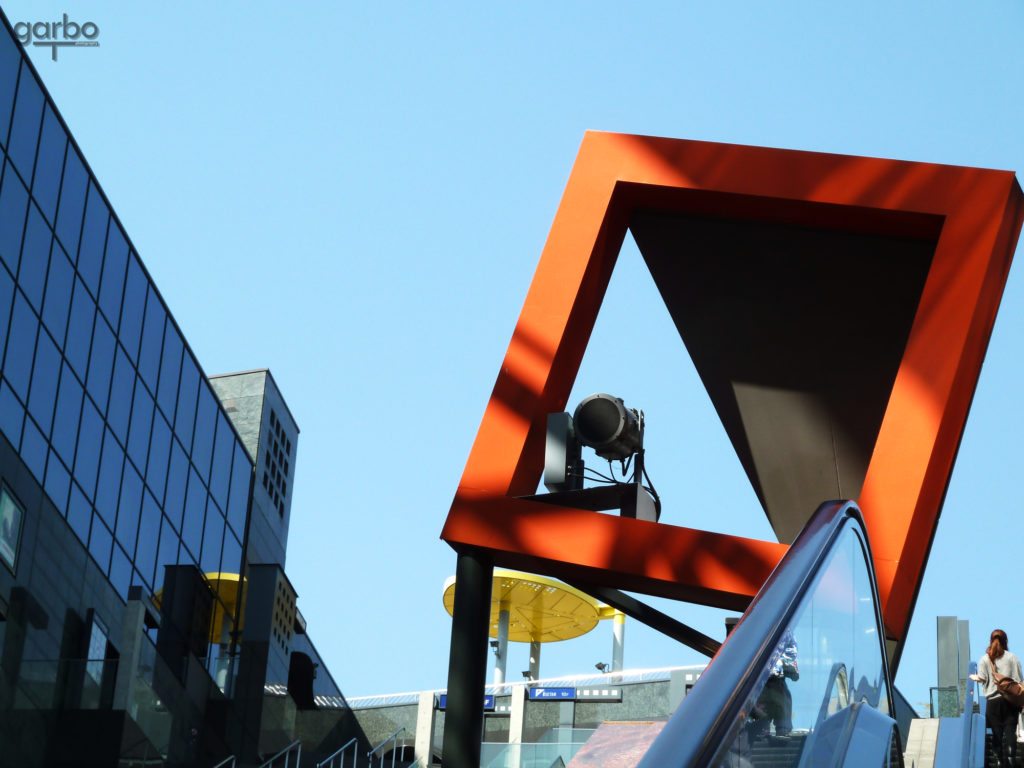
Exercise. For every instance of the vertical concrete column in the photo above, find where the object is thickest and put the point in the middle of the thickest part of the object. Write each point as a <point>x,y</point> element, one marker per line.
<point>132,628</point>
<point>501,657</point>
<point>517,725</point>
<point>425,729</point>
<point>618,640</point>
<point>948,666</point>
<point>534,660</point>
<point>467,662</point>
<point>963,644</point>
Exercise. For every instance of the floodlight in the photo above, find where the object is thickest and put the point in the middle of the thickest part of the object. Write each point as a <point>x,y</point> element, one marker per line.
<point>604,423</point>
<point>601,667</point>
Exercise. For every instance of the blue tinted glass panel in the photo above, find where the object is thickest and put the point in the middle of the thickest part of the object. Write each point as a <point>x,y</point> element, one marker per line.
<point>134,306</point>
<point>206,423</point>
<point>101,363</point>
<point>120,571</point>
<point>149,538</point>
<point>65,421</point>
<point>94,240</point>
<point>170,368</point>
<point>109,486</point>
<point>10,57</point>
<point>213,535</point>
<point>13,208</point>
<point>142,418</point>
<point>59,284</point>
<point>21,344</point>
<point>28,116</point>
<point>195,509</point>
<point>77,348</point>
<point>45,377</point>
<point>58,482</point>
<point>159,455</point>
<point>129,508</point>
<point>152,340</point>
<point>12,413</point>
<point>168,552</point>
<point>231,558</point>
<point>187,393</point>
<point>238,502</point>
<point>6,300</point>
<point>121,392</point>
<point>79,513</point>
<point>177,482</point>
<point>49,164</point>
<point>34,449</point>
<point>72,201</point>
<point>114,265</point>
<point>100,542</point>
<point>220,473</point>
<point>90,442</point>
<point>35,257</point>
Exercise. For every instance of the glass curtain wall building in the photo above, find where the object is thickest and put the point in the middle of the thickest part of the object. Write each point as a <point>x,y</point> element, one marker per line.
<point>128,496</point>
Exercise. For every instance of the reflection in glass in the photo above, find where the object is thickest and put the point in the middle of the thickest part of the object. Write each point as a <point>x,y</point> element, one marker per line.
<point>829,662</point>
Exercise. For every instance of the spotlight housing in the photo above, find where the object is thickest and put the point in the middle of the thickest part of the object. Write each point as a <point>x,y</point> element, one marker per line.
<point>604,423</point>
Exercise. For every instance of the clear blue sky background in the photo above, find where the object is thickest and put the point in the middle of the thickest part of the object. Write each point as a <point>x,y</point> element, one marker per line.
<point>355,195</point>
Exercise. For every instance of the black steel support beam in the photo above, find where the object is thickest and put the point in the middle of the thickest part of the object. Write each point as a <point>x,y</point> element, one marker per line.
<point>653,618</point>
<point>467,662</point>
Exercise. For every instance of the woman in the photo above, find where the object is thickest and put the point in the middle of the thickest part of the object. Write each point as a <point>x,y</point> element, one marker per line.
<point>1000,715</point>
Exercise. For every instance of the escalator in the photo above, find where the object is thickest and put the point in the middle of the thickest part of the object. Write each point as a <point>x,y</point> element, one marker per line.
<point>802,680</point>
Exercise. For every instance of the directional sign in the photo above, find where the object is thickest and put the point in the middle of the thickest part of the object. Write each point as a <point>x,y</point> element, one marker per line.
<point>552,694</point>
<point>442,702</point>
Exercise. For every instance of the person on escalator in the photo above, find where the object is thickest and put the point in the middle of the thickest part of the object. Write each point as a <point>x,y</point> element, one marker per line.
<point>775,701</point>
<point>1000,714</point>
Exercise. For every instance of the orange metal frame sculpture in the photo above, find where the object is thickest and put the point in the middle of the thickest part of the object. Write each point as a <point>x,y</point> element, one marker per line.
<point>974,217</point>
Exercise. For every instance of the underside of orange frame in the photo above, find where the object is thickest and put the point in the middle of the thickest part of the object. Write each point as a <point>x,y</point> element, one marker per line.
<point>974,217</point>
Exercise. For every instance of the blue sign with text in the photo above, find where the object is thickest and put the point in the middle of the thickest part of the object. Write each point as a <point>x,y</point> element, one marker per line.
<point>442,702</point>
<point>552,694</point>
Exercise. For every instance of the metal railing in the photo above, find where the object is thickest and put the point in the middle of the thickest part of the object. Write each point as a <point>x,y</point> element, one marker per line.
<point>294,748</point>
<point>328,762</point>
<point>227,762</point>
<point>393,740</point>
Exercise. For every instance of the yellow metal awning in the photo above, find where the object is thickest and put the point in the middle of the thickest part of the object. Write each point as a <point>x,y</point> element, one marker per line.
<point>540,609</point>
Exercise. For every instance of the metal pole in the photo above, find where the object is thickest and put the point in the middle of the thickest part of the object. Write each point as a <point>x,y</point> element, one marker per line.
<point>467,662</point>
<point>501,656</point>
<point>618,640</point>
<point>535,660</point>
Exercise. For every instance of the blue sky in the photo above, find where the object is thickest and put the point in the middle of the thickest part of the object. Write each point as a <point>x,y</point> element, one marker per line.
<point>356,196</point>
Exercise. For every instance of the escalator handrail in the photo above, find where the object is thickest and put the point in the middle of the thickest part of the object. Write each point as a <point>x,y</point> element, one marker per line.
<point>705,719</point>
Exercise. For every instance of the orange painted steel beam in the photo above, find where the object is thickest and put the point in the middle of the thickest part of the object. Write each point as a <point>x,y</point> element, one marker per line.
<point>589,547</point>
<point>974,217</point>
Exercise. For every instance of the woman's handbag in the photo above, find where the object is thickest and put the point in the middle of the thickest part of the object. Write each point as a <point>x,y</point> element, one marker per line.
<point>1008,688</point>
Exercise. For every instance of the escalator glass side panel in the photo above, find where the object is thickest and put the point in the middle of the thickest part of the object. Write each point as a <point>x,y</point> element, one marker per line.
<point>825,660</point>
<point>829,659</point>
